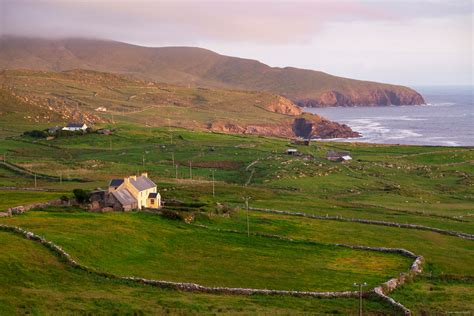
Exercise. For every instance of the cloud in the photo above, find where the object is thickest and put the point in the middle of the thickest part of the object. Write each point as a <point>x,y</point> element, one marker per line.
<point>182,21</point>
<point>425,41</point>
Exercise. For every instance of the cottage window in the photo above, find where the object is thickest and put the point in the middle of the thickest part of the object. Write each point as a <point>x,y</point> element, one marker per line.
<point>152,201</point>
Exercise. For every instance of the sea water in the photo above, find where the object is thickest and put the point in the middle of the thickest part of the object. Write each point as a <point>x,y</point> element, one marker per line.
<point>446,120</point>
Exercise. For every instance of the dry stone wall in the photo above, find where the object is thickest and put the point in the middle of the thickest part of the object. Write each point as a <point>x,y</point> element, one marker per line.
<point>192,287</point>
<point>381,291</point>
<point>24,208</point>
<point>367,221</point>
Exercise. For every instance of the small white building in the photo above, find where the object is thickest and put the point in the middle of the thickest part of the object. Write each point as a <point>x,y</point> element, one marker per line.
<point>338,155</point>
<point>346,158</point>
<point>75,127</point>
<point>292,151</point>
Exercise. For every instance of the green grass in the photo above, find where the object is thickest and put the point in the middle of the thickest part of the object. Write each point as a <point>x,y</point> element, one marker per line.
<point>9,198</point>
<point>149,246</point>
<point>442,253</point>
<point>33,281</point>
<point>433,296</point>
<point>430,186</point>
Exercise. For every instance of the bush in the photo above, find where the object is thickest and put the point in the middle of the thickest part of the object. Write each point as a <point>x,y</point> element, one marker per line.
<point>36,134</point>
<point>62,133</point>
<point>202,218</point>
<point>169,214</point>
<point>81,196</point>
<point>223,209</point>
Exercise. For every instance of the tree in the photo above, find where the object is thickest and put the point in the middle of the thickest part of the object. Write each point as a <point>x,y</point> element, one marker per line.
<point>81,196</point>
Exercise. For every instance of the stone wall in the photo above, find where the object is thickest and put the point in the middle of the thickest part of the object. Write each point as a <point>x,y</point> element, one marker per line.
<point>381,290</point>
<point>367,221</point>
<point>387,287</point>
<point>24,208</point>
<point>6,214</point>
<point>184,286</point>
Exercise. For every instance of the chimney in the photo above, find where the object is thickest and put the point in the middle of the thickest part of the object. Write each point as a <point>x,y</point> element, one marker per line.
<point>126,180</point>
<point>133,177</point>
<point>145,174</point>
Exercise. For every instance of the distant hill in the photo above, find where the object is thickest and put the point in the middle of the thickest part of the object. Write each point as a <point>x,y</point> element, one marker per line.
<point>40,98</point>
<point>199,67</point>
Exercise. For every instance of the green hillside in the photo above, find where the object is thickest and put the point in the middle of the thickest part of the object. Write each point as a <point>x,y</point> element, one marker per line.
<point>97,97</point>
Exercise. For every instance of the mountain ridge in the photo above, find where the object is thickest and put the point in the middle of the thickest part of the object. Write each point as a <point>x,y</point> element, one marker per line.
<point>194,66</point>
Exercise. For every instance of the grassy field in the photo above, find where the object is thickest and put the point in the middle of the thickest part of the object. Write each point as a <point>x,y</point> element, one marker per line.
<point>149,246</point>
<point>430,186</point>
<point>35,282</point>
<point>10,198</point>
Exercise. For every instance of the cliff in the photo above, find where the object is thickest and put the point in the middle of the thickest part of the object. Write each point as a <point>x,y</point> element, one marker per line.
<point>191,66</point>
<point>372,97</point>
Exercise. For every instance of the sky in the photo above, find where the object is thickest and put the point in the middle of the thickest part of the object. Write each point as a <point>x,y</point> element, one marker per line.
<point>410,42</point>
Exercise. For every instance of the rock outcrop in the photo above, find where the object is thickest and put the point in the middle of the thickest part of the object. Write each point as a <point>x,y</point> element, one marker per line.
<point>283,106</point>
<point>310,126</point>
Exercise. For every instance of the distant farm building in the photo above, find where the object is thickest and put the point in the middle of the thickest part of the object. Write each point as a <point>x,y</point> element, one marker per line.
<point>54,130</point>
<point>75,127</point>
<point>292,151</point>
<point>338,155</point>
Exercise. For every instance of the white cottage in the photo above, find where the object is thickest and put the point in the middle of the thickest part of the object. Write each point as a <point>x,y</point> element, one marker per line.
<point>75,127</point>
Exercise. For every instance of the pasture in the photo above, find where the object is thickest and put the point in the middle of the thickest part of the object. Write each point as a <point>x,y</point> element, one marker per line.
<point>429,186</point>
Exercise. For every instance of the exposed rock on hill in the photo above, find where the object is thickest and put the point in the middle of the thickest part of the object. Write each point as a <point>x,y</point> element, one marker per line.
<point>199,67</point>
<point>283,106</point>
<point>311,127</point>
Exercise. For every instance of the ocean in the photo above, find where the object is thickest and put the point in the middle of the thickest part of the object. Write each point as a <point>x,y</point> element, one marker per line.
<point>446,120</point>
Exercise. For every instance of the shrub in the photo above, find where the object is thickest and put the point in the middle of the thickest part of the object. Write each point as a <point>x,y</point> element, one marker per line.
<point>36,134</point>
<point>169,214</point>
<point>202,217</point>
<point>224,209</point>
<point>62,133</point>
<point>81,196</point>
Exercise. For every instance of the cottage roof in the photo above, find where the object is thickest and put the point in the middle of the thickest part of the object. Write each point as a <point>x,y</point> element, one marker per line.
<point>124,197</point>
<point>75,125</point>
<point>142,183</point>
<point>115,182</point>
<point>152,195</point>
